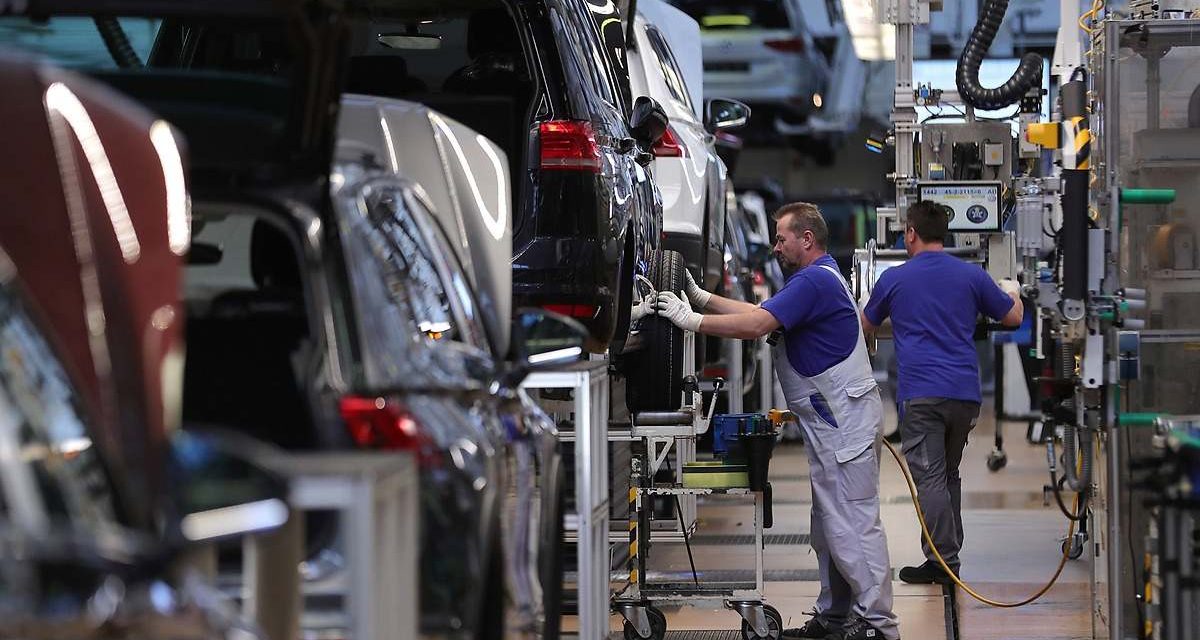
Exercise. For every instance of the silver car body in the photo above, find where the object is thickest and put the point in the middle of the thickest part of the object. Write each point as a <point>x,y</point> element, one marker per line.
<point>466,179</point>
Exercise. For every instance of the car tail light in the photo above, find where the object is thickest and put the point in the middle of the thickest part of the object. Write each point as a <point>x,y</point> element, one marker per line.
<point>569,145</point>
<point>759,279</point>
<point>668,146</point>
<point>380,423</point>
<point>715,371</point>
<point>788,45</point>
<point>573,310</point>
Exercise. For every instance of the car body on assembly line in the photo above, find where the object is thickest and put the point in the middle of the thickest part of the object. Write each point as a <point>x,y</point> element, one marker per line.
<point>760,52</point>
<point>690,176</point>
<point>98,506</point>
<point>465,178</point>
<point>325,309</point>
<point>546,81</point>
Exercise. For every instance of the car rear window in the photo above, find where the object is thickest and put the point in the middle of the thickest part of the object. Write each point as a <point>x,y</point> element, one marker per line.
<point>75,42</point>
<point>736,14</point>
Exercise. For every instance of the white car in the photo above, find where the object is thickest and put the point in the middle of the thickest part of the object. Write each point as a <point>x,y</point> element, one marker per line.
<point>690,177</point>
<point>760,52</point>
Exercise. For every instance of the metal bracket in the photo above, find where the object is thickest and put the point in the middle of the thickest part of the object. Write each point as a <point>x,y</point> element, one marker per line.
<point>657,457</point>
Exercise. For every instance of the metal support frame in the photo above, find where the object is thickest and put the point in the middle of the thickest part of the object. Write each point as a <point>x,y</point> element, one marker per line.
<point>378,497</point>
<point>590,382</point>
<point>904,14</point>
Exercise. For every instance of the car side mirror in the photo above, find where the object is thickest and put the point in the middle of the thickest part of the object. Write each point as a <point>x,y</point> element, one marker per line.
<point>219,491</point>
<point>543,339</point>
<point>722,114</point>
<point>648,122</point>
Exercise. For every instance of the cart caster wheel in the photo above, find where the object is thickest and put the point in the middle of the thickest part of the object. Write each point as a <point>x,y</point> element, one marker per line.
<point>774,626</point>
<point>997,460</point>
<point>1073,548</point>
<point>658,626</point>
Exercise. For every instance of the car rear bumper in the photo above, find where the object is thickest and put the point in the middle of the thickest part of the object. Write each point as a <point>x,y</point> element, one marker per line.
<point>579,272</point>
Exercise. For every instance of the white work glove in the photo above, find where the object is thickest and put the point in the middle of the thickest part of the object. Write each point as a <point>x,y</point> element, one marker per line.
<point>643,308</point>
<point>697,296</point>
<point>1010,286</point>
<point>672,308</point>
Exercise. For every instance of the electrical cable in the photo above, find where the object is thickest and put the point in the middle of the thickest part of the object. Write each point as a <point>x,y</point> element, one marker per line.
<point>1139,582</point>
<point>912,489</point>
<point>966,77</point>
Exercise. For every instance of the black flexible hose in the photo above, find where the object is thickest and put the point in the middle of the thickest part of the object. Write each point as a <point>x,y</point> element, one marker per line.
<point>1027,75</point>
<point>117,43</point>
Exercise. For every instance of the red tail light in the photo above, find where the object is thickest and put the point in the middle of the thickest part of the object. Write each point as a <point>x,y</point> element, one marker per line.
<point>668,146</point>
<point>380,423</point>
<point>789,45</point>
<point>586,311</point>
<point>569,145</point>
<point>759,278</point>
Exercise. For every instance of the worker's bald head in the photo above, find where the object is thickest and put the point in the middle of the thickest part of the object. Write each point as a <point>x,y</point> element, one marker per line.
<point>804,216</point>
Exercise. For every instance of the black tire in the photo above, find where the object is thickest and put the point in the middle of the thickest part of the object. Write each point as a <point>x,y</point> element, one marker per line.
<point>654,380</point>
<point>774,626</point>
<point>658,626</point>
<point>552,567</point>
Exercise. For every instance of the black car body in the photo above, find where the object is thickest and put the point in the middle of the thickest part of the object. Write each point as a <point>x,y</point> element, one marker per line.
<point>321,313</point>
<point>546,80</point>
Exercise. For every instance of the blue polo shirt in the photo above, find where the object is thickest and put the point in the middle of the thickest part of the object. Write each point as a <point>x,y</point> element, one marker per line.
<point>820,322</point>
<point>933,301</point>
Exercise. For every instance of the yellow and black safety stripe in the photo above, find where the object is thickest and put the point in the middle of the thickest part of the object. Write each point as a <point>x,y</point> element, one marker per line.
<point>1076,144</point>
<point>634,516</point>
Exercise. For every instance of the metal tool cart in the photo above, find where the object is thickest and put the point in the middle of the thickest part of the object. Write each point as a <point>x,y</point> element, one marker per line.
<point>660,431</point>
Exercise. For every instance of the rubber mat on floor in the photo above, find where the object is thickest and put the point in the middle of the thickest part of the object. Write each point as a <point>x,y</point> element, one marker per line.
<point>781,539</point>
<point>695,634</point>
<point>727,576</point>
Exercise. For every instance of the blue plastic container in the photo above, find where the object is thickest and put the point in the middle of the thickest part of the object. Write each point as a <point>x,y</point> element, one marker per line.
<point>728,426</point>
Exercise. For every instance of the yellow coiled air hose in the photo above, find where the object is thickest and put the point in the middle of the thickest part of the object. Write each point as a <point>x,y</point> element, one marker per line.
<point>912,489</point>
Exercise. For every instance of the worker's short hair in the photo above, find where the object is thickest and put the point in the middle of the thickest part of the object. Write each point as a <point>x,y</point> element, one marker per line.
<point>805,217</point>
<point>930,220</point>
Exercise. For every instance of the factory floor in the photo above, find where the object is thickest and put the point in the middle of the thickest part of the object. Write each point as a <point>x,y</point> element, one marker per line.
<point>1012,547</point>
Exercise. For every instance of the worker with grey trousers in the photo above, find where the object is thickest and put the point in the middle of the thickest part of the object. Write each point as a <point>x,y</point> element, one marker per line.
<point>934,300</point>
<point>823,367</point>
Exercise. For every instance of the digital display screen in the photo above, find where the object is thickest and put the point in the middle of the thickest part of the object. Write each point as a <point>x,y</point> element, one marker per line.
<point>975,205</point>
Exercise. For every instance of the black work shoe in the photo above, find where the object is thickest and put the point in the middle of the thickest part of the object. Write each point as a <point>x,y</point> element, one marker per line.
<point>856,629</point>
<point>927,573</point>
<point>814,628</point>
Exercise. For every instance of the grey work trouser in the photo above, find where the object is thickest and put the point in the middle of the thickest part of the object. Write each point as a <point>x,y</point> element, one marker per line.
<point>934,432</point>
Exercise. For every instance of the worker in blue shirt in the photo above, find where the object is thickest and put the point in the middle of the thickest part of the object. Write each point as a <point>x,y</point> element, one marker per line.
<point>934,300</point>
<point>822,364</point>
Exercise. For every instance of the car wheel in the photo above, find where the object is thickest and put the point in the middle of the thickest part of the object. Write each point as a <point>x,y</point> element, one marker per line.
<point>655,377</point>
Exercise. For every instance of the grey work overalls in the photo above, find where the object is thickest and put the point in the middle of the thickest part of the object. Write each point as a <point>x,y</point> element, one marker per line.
<point>847,534</point>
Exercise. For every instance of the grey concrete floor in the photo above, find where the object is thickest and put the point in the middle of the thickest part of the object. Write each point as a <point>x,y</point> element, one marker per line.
<point>1012,548</point>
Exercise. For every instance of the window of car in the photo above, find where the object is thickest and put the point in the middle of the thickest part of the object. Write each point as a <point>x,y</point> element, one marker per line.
<point>53,471</point>
<point>464,307</point>
<point>609,28</point>
<point>585,58</point>
<point>669,66</point>
<point>732,15</point>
